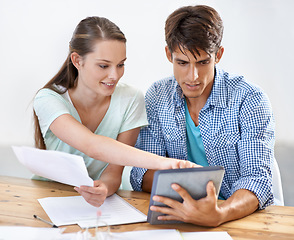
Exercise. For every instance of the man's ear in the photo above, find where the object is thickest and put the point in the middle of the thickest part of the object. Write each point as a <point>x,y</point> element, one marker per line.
<point>168,54</point>
<point>219,54</point>
<point>76,60</point>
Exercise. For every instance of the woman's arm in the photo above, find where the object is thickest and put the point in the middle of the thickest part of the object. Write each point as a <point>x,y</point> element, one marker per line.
<point>110,179</point>
<point>70,131</point>
<point>111,176</point>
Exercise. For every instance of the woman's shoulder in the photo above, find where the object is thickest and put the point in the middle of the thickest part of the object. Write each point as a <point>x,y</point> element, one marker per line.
<point>49,92</point>
<point>50,97</point>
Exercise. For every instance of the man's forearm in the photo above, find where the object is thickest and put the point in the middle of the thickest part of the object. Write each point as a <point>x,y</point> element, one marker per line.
<point>147,181</point>
<point>240,204</point>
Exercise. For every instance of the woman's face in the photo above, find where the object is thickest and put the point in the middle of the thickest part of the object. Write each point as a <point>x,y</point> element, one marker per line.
<point>100,70</point>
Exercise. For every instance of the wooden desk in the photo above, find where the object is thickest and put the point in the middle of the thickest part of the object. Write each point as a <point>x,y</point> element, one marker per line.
<point>18,203</point>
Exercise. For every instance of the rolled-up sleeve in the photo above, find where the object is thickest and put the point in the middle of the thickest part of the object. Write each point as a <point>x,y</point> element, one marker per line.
<point>256,148</point>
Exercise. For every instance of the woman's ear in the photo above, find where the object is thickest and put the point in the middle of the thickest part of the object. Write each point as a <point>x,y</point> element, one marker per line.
<point>76,60</point>
<point>168,54</point>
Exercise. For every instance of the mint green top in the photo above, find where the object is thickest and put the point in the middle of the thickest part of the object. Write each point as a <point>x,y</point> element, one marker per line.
<point>126,111</point>
<point>195,147</point>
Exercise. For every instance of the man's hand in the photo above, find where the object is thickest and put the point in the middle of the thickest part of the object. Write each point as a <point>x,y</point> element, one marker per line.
<point>203,212</point>
<point>94,195</point>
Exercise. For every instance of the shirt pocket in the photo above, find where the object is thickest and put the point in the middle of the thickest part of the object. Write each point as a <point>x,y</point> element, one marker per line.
<point>172,135</point>
<point>226,140</point>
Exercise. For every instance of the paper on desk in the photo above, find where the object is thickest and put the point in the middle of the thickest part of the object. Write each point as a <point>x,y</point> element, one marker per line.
<point>206,235</point>
<point>59,166</point>
<point>159,234</point>
<point>34,233</point>
<point>170,234</point>
<point>75,210</point>
<point>29,233</point>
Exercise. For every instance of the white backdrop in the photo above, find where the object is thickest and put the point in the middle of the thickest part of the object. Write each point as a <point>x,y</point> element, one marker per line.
<point>34,36</point>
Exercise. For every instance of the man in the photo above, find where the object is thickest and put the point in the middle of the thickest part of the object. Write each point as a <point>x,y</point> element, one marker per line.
<point>210,117</point>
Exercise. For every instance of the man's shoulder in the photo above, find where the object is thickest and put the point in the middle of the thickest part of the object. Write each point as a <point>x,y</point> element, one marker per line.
<point>163,87</point>
<point>237,83</point>
<point>161,92</point>
<point>233,89</point>
<point>168,82</point>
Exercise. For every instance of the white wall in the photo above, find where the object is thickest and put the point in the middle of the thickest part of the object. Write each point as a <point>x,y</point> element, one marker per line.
<point>34,36</point>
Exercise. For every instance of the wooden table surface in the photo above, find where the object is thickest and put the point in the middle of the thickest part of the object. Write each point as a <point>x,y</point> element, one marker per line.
<point>18,204</point>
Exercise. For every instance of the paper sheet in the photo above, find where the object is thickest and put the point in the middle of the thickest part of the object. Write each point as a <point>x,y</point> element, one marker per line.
<point>29,233</point>
<point>75,210</point>
<point>58,166</point>
<point>206,235</point>
<point>160,234</point>
<point>34,233</point>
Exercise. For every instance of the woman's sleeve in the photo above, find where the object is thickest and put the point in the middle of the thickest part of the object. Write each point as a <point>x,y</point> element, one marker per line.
<point>135,115</point>
<point>48,105</point>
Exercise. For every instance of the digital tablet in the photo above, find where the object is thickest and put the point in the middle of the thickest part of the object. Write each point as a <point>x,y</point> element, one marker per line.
<point>194,180</point>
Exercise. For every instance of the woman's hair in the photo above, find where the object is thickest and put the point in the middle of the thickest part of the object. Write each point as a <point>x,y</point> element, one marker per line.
<point>87,33</point>
<point>194,28</point>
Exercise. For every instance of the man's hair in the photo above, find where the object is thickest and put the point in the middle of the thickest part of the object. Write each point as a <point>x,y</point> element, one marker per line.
<point>194,28</point>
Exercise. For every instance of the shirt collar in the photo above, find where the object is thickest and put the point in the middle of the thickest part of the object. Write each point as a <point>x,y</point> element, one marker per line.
<point>178,95</point>
<point>218,95</point>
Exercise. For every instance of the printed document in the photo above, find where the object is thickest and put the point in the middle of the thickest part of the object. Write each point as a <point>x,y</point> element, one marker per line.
<point>75,210</point>
<point>55,165</point>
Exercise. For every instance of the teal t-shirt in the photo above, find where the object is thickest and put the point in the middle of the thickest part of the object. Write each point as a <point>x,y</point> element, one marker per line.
<point>195,147</point>
<point>126,111</point>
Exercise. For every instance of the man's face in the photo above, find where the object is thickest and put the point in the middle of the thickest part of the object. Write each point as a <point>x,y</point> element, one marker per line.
<point>195,76</point>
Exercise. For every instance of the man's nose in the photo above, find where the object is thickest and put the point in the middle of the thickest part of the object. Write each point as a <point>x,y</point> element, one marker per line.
<point>193,73</point>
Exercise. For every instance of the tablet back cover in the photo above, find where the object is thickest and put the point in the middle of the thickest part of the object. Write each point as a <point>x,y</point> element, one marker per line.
<point>194,180</point>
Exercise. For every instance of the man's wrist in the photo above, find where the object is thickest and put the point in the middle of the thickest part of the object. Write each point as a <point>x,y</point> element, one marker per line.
<point>147,180</point>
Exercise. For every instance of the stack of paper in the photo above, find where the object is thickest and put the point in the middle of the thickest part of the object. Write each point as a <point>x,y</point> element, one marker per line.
<point>75,210</point>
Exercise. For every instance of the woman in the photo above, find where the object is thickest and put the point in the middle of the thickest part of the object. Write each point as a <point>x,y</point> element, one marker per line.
<point>83,110</point>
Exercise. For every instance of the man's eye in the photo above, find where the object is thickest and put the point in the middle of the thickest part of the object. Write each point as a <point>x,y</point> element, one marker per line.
<point>204,62</point>
<point>182,63</point>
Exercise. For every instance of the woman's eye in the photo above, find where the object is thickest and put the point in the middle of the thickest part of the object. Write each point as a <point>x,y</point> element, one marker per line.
<point>103,66</point>
<point>121,65</point>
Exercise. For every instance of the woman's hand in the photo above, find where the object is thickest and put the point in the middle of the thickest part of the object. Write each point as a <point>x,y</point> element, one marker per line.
<point>171,163</point>
<point>94,195</point>
<point>183,164</point>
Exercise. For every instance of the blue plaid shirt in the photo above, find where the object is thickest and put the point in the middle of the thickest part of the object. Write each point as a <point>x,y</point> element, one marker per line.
<point>236,125</point>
